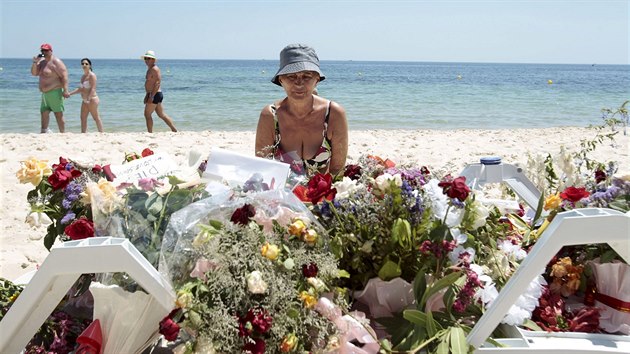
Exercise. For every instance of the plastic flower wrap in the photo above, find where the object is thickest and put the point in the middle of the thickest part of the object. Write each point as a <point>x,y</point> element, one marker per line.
<point>249,270</point>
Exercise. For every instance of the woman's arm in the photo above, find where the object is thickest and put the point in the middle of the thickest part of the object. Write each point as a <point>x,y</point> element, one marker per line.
<point>338,134</point>
<point>265,133</point>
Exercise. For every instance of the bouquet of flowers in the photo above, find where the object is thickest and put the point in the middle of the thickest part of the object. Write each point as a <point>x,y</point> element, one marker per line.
<point>388,222</point>
<point>254,274</point>
<point>58,199</point>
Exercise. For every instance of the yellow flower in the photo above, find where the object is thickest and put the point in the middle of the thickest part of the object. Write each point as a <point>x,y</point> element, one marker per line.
<point>33,171</point>
<point>310,237</point>
<point>103,193</point>
<point>184,298</point>
<point>270,251</point>
<point>288,343</point>
<point>297,228</point>
<point>552,202</point>
<point>308,299</point>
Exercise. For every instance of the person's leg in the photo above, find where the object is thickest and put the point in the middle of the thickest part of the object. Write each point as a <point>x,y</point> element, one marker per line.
<point>148,110</point>
<point>60,122</point>
<point>93,106</point>
<point>45,120</point>
<point>84,114</point>
<point>160,112</point>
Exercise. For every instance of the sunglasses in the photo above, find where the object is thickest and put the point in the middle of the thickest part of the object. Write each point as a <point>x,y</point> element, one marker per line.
<point>45,50</point>
<point>85,64</point>
<point>145,59</point>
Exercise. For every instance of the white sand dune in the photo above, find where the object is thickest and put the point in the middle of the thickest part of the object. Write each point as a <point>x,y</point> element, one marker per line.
<point>21,248</point>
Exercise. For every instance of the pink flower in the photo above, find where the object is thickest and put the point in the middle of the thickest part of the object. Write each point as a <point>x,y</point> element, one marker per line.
<point>201,268</point>
<point>149,184</point>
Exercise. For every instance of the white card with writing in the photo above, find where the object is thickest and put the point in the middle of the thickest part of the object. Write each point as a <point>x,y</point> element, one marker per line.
<point>152,166</point>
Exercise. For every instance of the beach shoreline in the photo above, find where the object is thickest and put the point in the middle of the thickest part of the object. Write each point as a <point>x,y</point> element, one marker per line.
<point>21,247</point>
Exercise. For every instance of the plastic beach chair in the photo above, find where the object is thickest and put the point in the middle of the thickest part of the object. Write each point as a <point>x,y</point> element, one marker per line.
<point>575,227</point>
<point>60,270</point>
<point>492,170</point>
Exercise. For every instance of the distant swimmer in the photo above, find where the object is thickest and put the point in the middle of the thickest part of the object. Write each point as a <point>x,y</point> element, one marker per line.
<point>549,82</point>
<point>459,77</point>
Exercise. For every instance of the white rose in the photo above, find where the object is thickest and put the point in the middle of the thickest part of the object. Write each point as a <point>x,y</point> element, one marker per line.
<point>345,187</point>
<point>481,214</point>
<point>255,283</point>
<point>383,181</point>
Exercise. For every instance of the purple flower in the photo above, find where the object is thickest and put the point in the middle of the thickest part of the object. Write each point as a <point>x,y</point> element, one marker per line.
<point>68,218</point>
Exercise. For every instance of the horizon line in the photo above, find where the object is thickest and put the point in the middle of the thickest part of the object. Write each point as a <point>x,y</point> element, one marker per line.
<point>354,60</point>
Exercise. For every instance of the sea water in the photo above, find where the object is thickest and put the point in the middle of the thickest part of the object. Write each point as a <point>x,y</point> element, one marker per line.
<point>229,94</point>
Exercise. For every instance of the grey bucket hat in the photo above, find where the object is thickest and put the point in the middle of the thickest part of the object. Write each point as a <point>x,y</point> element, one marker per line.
<point>295,58</point>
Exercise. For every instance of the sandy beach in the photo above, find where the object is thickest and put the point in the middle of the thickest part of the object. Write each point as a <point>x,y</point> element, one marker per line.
<point>21,248</point>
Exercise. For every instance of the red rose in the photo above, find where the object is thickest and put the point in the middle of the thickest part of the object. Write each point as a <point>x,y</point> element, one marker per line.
<point>80,229</point>
<point>107,169</point>
<point>60,178</point>
<point>256,346</point>
<point>573,194</point>
<point>353,172</point>
<point>425,170</point>
<point>310,270</point>
<point>97,169</point>
<point>320,187</point>
<point>260,320</point>
<point>600,176</point>
<point>243,214</point>
<point>455,188</point>
<point>169,328</point>
<point>61,165</point>
<point>146,152</point>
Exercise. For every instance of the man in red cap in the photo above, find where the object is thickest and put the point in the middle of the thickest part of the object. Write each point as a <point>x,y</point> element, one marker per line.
<point>53,83</point>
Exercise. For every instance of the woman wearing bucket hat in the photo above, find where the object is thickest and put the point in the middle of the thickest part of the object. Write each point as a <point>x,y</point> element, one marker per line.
<point>303,129</point>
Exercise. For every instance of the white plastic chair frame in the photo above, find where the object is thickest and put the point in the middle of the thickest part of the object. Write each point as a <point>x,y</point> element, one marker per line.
<point>60,270</point>
<point>574,227</point>
<point>478,174</point>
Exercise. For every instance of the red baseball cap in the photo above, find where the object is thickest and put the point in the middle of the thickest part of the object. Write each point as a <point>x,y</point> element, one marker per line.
<point>46,46</point>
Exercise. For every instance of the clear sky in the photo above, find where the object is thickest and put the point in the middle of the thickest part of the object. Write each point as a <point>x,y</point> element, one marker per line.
<point>511,31</point>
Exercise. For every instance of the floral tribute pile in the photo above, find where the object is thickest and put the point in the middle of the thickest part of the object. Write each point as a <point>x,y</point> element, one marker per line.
<point>415,250</point>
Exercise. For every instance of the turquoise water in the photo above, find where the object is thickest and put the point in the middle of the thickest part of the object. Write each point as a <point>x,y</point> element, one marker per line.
<point>229,94</point>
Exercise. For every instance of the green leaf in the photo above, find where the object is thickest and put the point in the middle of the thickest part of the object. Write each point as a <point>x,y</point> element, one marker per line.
<point>458,340</point>
<point>415,316</point>
<point>154,205</point>
<point>431,328</point>
<point>419,287</point>
<point>293,313</point>
<point>401,232</point>
<point>443,345</point>
<point>174,180</point>
<point>539,208</point>
<point>389,270</point>
<point>50,237</point>
<point>439,285</point>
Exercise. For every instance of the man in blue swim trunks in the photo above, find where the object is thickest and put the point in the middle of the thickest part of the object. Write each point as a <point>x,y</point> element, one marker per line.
<point>153,98</point>
<point>53,83</point>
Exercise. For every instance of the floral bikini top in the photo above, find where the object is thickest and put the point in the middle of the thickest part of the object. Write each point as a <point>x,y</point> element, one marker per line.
<point>298,165</point>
